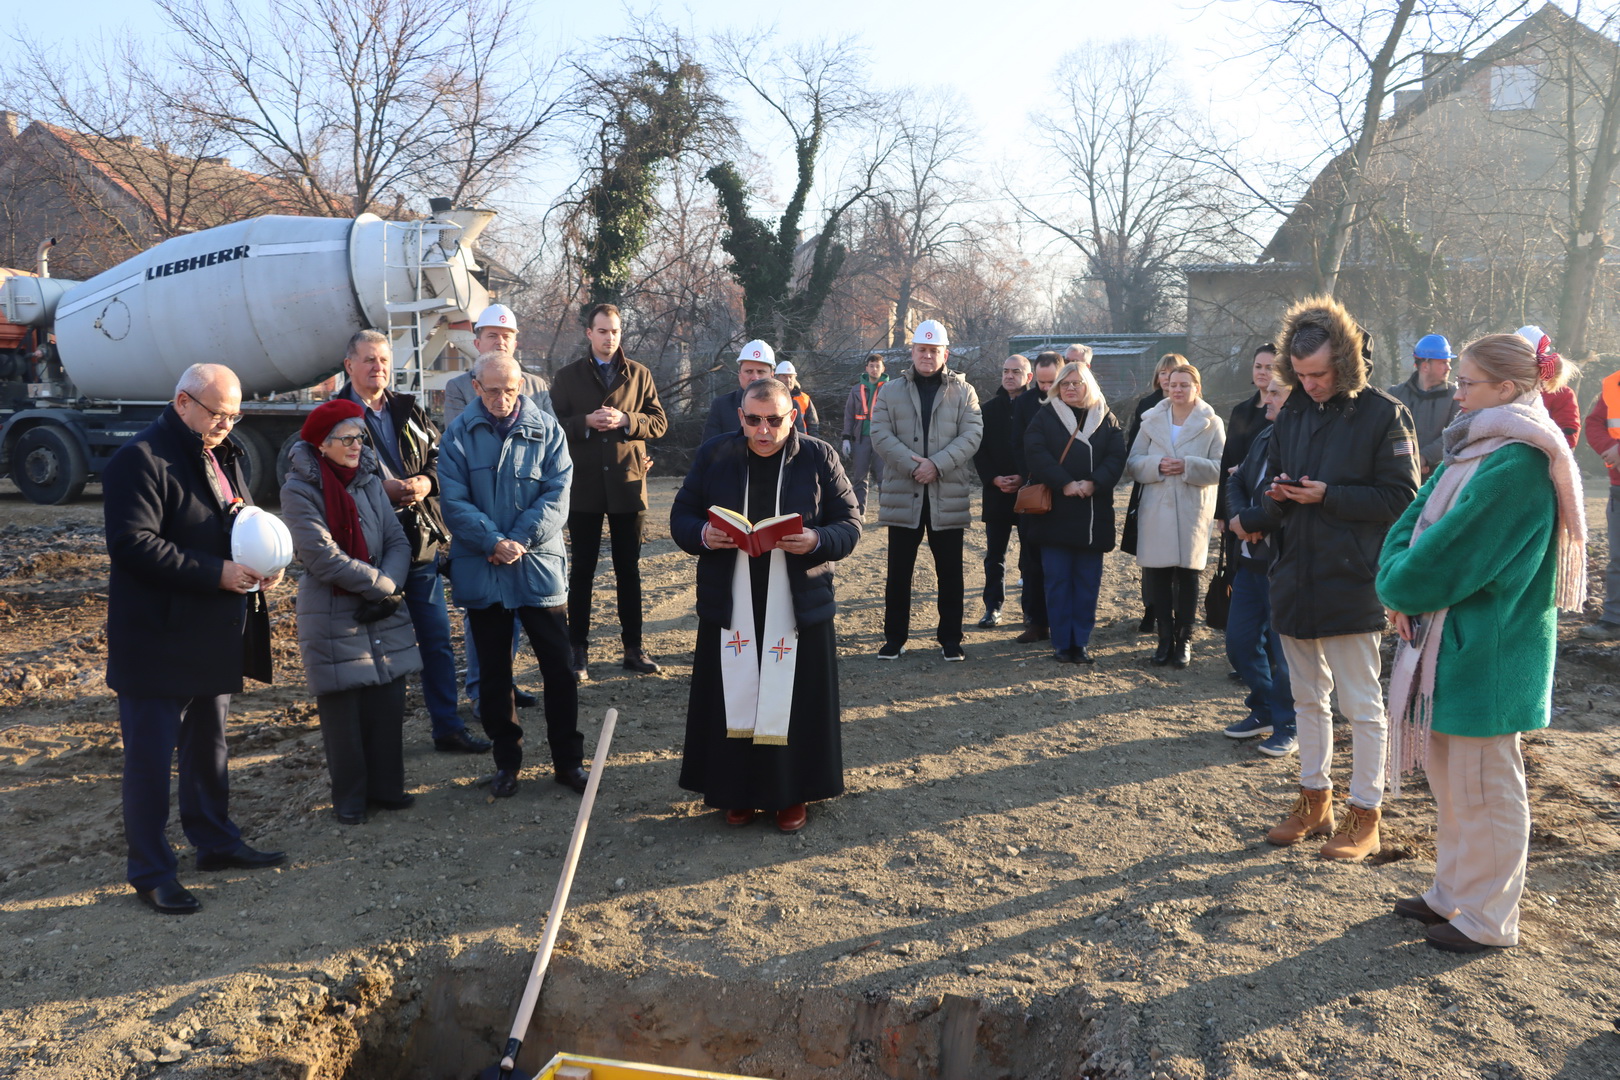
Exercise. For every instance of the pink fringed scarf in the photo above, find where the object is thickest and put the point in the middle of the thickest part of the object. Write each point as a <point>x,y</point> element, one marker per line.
<point>1468,441</point>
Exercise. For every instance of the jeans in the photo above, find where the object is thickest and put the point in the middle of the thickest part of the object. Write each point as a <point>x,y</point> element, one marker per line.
<point>997,535</point>
<point>946,544</point>
<point>585,548</point>
<point>153,729</point>
<point>424,597</point>
<point>1255,651</point>
<point>1073,577</point>
<point>548,633</point>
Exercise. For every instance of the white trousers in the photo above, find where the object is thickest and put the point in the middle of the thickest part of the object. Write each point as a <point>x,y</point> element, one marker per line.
<point>1350,663</point>
<point>1483,835</point>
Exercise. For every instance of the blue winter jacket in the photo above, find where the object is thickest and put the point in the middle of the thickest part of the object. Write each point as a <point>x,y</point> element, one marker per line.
<point>496,489</point>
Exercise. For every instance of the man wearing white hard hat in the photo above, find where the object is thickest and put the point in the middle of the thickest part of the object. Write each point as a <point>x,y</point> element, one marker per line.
<point>756,361</point>
<point>180,609</point>
<point>494,332</point>
<point>808,422</point>
<point>927,427</point>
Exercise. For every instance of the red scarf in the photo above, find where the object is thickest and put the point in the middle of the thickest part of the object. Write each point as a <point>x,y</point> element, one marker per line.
<point>342,515</point>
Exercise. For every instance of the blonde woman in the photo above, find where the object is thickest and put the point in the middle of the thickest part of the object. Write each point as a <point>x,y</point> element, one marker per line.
<point>1475,571</point>
<point>1075,447</point>
<point>1176,457</point>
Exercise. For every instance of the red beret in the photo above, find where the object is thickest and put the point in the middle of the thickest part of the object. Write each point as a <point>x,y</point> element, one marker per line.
<point>328,416</point>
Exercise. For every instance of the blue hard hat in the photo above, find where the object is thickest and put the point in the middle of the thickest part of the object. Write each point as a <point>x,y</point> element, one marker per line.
<point>1433,347</point>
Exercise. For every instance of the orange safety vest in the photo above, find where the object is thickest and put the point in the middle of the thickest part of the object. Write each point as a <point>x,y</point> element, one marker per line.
<point>865,411</point>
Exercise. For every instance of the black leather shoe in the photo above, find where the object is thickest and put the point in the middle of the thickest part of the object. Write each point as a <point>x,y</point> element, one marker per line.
<point>573,777</point>
<point>169,898</point>
<point>1062,656</point>
<point>523,699</point>
<point>241,857</point>
<point>404,802</point>
<point>1415,907</point>
<point>579,664</point>
<point>350,817</point>
<point>1079,655</point>
<point>461,742</point>
<point>991,619</point>
<point>504,783</point>
<point>638,661</point>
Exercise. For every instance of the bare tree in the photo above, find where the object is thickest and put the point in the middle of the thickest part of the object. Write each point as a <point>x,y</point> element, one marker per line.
<point>921,212</point>
<point>1345,61</point>
<point>1125,187</point>
<point>814,89</point>
<point>364,105</point>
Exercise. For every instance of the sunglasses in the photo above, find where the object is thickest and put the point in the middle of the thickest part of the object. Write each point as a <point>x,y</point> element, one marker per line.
<point>750,420</point>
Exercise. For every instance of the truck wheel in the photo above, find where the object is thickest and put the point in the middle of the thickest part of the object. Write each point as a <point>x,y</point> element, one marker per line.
<point>284,457</point>
<point>48,466</point>
<point>258,463</point>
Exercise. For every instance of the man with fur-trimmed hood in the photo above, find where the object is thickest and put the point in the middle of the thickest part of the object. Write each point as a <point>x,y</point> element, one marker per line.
<point>1344,465</point>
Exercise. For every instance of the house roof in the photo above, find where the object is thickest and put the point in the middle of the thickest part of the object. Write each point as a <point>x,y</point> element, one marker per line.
<point>181,192</point>
<point>1541,24</point>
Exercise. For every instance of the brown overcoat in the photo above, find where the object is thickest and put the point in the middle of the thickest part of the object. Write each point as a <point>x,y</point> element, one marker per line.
<point>610,467</point>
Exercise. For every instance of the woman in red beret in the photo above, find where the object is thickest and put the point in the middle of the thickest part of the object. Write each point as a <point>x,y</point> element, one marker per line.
<point>354,632</point>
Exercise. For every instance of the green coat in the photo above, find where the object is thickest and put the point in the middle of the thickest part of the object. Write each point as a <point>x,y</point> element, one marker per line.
<point>1492,559</point>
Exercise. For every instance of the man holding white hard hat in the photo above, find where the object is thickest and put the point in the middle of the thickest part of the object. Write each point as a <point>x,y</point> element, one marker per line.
<point>180,631</point>
<point>494,332</point>
<point>756,361</point>
<point>927,427</point>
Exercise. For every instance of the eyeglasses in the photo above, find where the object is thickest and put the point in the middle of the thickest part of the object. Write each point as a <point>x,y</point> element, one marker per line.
<point>1468,384</point>
<point>349,440</point>
<point>750,420</point>
<point>229,418</point>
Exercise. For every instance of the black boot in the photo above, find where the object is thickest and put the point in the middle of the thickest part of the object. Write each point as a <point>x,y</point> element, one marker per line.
<point>1181,646</point>
<point>1148,621</point>
<point>1161,655</point>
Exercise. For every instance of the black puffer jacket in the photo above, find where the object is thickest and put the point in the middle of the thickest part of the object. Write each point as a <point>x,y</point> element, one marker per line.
<point>1084,524</point>
<point>813,486</point>
<point>1245,493</point>
<point>1363,447</point>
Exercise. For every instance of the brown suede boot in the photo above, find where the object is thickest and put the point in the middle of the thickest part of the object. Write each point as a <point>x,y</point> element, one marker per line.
<point>1312,815</point>
<point>1356,837</point>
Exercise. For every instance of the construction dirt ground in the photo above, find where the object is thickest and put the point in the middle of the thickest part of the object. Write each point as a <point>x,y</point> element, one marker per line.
<point>1038,870</point>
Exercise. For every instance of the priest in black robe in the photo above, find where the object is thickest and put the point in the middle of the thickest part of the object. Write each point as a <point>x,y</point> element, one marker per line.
<point>762,719</point>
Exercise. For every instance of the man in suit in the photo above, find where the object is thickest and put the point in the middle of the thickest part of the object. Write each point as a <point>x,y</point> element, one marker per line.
<point>177,605</point>
<point>756,361</point>
<point>608,407</point>
<point>494,333</point>
<point>998,471</point>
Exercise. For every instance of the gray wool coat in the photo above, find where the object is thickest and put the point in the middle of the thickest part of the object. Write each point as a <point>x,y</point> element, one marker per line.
<point>339,653</point>
<point>955,429</point>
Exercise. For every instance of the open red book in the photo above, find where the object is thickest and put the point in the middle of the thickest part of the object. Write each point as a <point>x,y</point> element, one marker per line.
<point>754,537</point>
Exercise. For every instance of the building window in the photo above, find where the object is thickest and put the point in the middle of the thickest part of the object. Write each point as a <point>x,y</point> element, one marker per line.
<point>1513,86</point>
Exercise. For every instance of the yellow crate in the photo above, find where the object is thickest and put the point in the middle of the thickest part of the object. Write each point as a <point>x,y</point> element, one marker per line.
<point>574,1067</point>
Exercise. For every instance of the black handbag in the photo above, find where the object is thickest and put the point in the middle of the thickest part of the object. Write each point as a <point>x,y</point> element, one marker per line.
<point>1127,535</point>
<point>257,660</point>
<point>1218,598</point>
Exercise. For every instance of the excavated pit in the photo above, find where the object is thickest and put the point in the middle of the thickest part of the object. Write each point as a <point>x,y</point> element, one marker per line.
<point>448,1023</point>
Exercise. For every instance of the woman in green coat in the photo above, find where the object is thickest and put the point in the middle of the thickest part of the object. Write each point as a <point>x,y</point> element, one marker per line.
<point>1474,573</point>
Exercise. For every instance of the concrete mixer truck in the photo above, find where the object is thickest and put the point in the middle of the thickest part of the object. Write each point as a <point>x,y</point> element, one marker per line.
<point>274,298</point>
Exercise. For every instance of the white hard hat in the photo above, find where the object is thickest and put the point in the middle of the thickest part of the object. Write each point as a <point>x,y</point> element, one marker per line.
<point>786,368</point>
<point>1532,334</point>
<point>499,316</point>
<point>260,542</point>
<point>930,332</point>
<point>757,350</point>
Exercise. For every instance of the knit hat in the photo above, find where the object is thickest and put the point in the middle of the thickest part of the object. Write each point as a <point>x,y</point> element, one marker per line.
<point>319,424</point>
